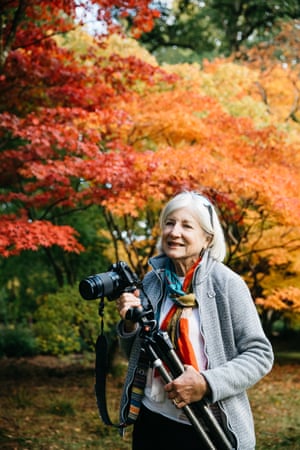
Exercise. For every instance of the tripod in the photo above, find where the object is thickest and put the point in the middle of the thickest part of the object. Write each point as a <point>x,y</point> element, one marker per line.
<point>160,351</point>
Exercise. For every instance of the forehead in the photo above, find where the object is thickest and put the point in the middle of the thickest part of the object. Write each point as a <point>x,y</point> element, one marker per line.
<point>183,215</point>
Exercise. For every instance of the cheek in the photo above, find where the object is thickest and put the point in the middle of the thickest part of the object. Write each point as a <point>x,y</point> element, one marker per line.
<point>199,244</point>
<point>164,234</point>
<point>163,239</point>
<point>198,249</point>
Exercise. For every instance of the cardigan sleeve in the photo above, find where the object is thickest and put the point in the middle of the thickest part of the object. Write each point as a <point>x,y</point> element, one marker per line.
<point>239,353</point>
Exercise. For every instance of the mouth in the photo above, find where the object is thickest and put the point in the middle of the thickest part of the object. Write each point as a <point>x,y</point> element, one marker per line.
<point>174,244</point>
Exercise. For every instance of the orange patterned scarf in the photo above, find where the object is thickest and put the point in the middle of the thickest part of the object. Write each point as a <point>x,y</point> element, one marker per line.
<point>176,322</point>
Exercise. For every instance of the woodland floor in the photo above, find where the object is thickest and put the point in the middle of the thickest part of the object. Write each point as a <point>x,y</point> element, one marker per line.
<point>49,403</point>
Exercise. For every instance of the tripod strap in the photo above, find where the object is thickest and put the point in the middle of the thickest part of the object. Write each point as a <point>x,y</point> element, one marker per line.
<point>101,369</point>
<point>138,386</point>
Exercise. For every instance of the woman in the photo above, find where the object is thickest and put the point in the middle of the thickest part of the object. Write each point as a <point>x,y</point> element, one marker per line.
<point>210,316</point>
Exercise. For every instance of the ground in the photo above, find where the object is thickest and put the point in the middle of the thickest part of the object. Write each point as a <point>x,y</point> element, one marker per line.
<point>48,403</point>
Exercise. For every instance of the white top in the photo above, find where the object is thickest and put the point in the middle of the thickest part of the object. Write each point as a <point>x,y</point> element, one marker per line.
<point>155,397</point>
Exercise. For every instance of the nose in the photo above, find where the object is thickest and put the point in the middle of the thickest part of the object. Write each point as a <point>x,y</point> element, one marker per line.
<point>175,230</point>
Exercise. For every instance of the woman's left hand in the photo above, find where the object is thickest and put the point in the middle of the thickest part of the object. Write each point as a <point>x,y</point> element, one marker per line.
<point>189,387</point>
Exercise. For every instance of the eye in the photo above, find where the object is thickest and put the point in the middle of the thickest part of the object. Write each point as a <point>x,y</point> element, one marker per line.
<point>188,225</point>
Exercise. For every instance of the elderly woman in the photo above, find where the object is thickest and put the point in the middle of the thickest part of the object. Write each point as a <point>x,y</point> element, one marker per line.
<point>210,316</point>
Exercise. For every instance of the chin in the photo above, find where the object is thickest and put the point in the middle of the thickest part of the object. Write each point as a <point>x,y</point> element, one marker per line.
<point>173,255</point>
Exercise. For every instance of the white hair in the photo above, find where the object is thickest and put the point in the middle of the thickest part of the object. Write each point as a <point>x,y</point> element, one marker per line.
<point>205,213</point>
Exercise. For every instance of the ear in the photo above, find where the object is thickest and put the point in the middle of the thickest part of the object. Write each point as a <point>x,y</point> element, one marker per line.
<point>209,240</point>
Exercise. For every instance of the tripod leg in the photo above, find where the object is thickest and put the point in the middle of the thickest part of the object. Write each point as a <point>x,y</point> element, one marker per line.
<point>157,363</point>
<point>165,349</point>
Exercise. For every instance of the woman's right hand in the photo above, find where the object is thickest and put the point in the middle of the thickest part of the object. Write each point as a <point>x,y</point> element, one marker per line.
<point>126,301</point>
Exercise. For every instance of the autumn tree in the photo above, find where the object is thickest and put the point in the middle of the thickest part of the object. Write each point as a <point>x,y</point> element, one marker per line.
<point>189,31</point>
<point>278,65</point>
<point>84,126</point>
<point>49,98</point>
<point>55,107</point>
<point>281,304</point>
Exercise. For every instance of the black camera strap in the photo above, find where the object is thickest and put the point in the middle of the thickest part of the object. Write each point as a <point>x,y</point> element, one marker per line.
<point>101,370</point>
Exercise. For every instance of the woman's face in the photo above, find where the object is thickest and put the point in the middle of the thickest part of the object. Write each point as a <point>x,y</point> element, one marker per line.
<point>183,239</point>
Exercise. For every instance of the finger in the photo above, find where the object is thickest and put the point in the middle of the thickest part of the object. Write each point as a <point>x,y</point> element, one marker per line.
<point>168,387</point>
<point>179,403</point>
<point>175,402</point>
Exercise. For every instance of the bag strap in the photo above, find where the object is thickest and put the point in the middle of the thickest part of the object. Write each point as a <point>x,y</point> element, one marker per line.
<point>101,370</point>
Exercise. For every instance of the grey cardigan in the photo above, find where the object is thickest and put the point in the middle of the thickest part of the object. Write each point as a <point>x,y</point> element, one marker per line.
<point>237,350</point>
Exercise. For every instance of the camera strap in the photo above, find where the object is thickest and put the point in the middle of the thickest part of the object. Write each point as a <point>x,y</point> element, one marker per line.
<point>101,370</point>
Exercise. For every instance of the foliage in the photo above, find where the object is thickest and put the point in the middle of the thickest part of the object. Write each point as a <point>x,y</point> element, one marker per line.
<point>64,323</point>
<point>281,303</point>
<point>52,134</point>
<point>17,341</point>
<point>278,80</point>
<point>96,136</point>
<point>27,277</point>
<point>80,43</point>
<point>189,31</point>
<point>23,279</point>
<point>49,95</point>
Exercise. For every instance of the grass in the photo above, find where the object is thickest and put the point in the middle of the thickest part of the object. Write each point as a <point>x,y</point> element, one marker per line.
<point>47,403</point>
<point>275,402</point>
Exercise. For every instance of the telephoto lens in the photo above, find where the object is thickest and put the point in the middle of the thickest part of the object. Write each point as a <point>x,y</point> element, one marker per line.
<point>98,286</point>
<point>111,284</point>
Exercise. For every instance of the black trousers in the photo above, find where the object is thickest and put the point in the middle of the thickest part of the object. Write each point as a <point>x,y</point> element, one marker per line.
<point>155,432</point>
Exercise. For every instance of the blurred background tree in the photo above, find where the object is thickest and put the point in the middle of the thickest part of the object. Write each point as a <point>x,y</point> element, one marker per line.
<point>96,134</point>
<point>190,31</point>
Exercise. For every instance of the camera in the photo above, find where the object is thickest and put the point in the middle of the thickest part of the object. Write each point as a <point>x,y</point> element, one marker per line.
<point>111,284</point>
